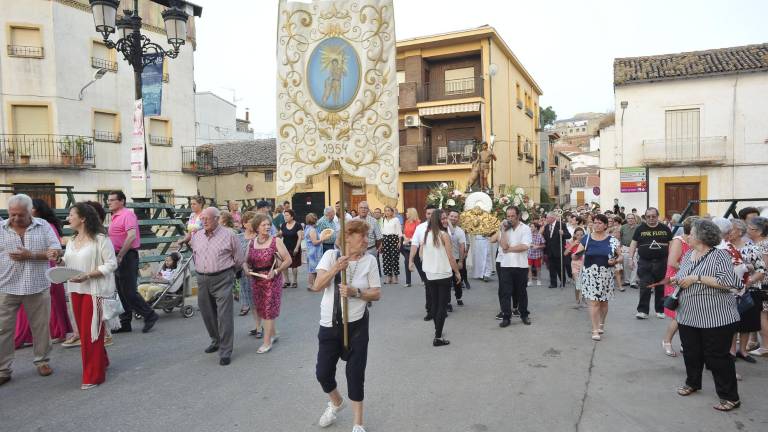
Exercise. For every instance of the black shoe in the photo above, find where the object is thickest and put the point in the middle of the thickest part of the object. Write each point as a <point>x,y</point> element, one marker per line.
<point>460,302</point>
<point>211,348</point>
<point>515,312</point>
<point>504,323</point>
<point>428,317</point>
<point>440,342</point>
<point>149,322</point>
<point>747,358</point>
<point>553,286</point>
<point>499,316</point>
<point>225,361</point>
<point>633,286</point>
<point>449,308</point>
<point>526,321</point>
<point>123,329</point>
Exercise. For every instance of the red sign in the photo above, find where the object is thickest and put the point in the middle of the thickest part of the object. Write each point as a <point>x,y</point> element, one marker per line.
<point>596,191</point>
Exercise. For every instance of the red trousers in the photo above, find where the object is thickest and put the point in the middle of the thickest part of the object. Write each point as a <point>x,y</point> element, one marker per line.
<point>95,361</point>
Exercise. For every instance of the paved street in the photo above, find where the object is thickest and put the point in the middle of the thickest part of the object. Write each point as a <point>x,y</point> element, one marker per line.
<point>546,377</point>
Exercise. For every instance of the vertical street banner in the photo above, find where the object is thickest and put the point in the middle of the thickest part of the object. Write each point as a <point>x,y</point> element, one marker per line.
<point>152,88</point>
<point>139,175</point>
<point>337,94</point>
<point>633,180</point>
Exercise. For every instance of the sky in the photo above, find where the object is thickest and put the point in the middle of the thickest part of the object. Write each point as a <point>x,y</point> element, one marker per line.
<point>567,46</point>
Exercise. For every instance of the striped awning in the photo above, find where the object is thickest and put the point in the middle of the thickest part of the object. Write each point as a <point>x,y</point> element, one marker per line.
<point>450,109</point>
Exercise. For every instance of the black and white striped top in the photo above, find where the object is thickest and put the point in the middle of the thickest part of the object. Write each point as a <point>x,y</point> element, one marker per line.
<point>702,306</point>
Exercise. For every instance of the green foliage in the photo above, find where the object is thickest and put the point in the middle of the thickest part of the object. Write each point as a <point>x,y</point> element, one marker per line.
<point>547,116</point>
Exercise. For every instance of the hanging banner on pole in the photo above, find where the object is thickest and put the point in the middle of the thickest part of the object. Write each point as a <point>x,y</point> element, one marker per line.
<point>337,94</point>
<point>139,174</point>
<point>152,88</point>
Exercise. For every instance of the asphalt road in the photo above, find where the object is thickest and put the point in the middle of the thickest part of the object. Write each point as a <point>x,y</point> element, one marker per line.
<point>545,377</point>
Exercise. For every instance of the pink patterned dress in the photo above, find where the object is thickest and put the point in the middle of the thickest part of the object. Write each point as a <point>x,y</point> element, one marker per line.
<point>266,293</point>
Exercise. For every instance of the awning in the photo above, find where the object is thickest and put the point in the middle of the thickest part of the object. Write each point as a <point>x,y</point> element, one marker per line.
<point>450,109</point>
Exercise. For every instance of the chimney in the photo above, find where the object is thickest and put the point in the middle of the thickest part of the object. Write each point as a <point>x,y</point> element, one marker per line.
<point>247,115</point>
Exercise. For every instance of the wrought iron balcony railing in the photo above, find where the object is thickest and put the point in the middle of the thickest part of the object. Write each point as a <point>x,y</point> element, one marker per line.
<point>200,161</point>
<point>161,140</point>
<point>104,63</point>
<point>107,136</point>
<point>25,51</point>
<point>46,151</point>
<point>685,151</point>
<point>452,89</point>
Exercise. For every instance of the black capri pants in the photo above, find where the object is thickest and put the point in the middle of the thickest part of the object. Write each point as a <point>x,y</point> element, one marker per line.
<point>331,349</point>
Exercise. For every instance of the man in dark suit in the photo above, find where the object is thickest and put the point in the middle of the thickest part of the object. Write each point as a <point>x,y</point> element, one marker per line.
<point>555,234</point>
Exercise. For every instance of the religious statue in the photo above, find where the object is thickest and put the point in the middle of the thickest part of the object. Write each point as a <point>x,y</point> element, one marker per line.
<point>333,82</point>
<point>481,166</point>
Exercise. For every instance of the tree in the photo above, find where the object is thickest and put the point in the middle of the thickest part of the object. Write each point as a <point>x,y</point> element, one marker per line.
<point>547,116</point>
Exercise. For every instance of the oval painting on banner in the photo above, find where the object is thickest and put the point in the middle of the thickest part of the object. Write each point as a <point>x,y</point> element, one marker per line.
<point>333,73</point>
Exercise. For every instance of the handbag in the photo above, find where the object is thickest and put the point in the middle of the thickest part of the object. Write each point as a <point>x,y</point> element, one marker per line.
<point>672,302</point>
<point>111,307</point>
<point>745,302</point>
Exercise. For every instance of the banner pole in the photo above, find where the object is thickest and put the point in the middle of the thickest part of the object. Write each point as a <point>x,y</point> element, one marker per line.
<point>343,245</point>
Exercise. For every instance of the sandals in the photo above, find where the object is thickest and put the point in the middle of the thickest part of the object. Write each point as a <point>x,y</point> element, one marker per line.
<point>726,405</point>
<point>295,285</point>
<point>259,333</point>
<point>667,346</point>
<point>601,330</point>
<point>244,311</point>
<point>686,390</point>
<point>596,335</point>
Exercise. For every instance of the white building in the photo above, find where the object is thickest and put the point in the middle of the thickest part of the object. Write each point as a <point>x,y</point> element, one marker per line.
<point>51,138</point>
<point>695,123</point>
<point>216,120</point>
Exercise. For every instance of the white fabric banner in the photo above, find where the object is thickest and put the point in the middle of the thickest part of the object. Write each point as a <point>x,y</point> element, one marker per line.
<point>337,93</point>
<point>139,175</point>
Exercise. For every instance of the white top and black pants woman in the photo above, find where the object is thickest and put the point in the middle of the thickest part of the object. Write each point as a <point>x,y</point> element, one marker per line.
<point>440,269</point>
<point>707,318</point>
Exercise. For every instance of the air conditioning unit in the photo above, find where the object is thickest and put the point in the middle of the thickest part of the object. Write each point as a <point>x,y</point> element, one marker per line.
<point>411,121</point>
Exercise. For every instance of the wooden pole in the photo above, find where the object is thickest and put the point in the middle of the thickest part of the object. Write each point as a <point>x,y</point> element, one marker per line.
<point>343,245</point>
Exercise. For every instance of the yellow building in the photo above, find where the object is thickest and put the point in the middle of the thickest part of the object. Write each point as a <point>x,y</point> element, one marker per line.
<point>457,90</point>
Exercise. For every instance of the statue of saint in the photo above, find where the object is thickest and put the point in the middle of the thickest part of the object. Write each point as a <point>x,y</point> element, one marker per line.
<point>485,157</point>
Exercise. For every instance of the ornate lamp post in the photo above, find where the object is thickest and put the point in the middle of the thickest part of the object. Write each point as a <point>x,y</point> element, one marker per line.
<point>137,49</point>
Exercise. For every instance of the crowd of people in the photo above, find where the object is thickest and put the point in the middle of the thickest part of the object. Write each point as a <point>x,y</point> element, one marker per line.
<point>706,275</point>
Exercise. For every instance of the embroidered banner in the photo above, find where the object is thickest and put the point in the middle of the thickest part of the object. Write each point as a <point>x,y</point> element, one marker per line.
<point>152,88</point>
<point>337,94</point>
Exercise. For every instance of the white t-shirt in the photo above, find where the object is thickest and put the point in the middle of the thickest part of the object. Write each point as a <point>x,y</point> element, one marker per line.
<point>366,275</point>
<point>515,237</point>
<point>418,234</point>
<point>435,260</point>
<point>391,227</point>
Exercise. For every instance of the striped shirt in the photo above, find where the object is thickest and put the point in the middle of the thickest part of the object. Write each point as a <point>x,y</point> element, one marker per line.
<point>216,251</point>
<point>702,306</point>
<point>25,277</point>
<point>537,240</point>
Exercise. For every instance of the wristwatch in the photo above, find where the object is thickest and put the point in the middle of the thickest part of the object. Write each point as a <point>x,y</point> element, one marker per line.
<point>698,279</point>
<point>358,293</point>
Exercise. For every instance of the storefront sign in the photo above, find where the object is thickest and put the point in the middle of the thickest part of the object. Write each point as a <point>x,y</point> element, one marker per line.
<point>633,180</point>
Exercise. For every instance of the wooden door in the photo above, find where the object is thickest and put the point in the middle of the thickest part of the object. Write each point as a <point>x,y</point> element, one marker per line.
<point>579,198</point>
<point>677,196</point>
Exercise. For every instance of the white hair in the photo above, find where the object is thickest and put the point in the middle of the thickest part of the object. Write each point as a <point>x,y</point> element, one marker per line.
<point>724,224</point>
<point>329,209</point>
<point>21,199</point>
<point>215,212</point>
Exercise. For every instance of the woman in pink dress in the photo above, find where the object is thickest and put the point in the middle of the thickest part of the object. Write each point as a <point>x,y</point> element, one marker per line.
<point>59,323</point>
<point>268,286</point>
<point>678,247</point>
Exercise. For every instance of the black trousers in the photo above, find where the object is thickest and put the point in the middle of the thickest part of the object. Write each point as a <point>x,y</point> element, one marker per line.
<point>553,264</point>
<point>649,272</point>
<point>567,266</point>
<point>329,351</point>
<point>417,264</point>
<point>710,347</point>
<point>513,284</point>
<point>439,291</point>
<point>406,253</point>
<point>515,302</point>
<point>457,288</point>
<point>126,278</point>
<point>463,273</point>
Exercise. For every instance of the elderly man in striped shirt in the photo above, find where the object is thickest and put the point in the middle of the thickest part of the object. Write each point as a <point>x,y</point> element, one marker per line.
<point>217,255</point>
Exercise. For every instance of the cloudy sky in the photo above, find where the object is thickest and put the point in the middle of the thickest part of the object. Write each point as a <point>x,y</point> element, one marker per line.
<point>568,46</point>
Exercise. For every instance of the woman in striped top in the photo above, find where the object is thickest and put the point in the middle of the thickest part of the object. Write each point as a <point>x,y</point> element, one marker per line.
<point>707,314</point>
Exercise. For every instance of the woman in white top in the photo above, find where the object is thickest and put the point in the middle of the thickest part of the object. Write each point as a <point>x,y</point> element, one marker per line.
<point>362,285</point>
<point>438,265</point>
<point>92,253</point>
<point>392,232</point>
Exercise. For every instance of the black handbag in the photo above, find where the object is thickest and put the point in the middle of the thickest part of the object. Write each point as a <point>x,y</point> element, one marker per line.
<point>745,302</point>
<point>671,302</point>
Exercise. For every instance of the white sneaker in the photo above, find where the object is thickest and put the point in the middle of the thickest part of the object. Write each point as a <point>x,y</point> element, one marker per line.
<point>529,283</point>
<point>358,428</point>
<point>760,352</point>
<point>659,315</point>
<point>329,416</point>
<point>538,282</point>
<point>641,315</point>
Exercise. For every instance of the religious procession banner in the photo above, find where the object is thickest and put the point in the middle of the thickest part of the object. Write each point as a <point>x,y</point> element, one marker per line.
<point>337,94</point>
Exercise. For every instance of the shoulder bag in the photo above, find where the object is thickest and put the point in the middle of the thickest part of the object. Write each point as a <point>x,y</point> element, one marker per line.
<point>111,305</point>
<point>672,302</point>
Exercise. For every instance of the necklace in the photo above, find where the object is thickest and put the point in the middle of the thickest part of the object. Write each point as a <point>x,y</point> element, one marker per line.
<point>352,270</point>
<point>258,240</point>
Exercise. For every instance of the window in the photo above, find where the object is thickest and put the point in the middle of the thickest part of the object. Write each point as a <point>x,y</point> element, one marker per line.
<point>457,146</point>
<point>520,150</point>
<point>269,176</point>
<point>30,119</point>
<point>106,127</point>
<point>25,42</point>
<point>536,115</point>
<point>682,132</point>
<point>400,77</point>
<point>460,81</point>
<point>160,132</point>
<point>519,97</point>
<point>103,57</point>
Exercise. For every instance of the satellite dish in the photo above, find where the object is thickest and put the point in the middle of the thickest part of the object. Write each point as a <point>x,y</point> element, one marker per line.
<point>478,199</point>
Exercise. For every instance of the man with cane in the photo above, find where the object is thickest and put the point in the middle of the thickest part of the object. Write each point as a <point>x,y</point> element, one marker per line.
<point>554,242</point>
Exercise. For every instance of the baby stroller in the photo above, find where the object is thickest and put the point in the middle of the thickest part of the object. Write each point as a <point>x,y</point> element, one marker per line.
<point>173,293</point>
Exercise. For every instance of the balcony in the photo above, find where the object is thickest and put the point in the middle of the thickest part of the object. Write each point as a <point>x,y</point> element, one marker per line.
<point>199,161</point>
<point>107,136</point>
<point>697,151</point>
<point>46,151</point>
<point>452,89</point>
<point>529,112</point>
<point>100,63</point>
<point>25,51</point>
<point>520,104</point>
<point>160,140</point>
<point>565,174</point>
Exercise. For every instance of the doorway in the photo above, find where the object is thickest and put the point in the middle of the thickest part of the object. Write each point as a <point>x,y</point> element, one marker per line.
<point>677,196</point>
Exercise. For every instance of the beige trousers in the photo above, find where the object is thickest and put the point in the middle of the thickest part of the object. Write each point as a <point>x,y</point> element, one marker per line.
<point>38,309</point>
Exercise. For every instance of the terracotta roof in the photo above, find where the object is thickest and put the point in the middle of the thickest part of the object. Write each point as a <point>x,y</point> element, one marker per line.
<point>723,61</point>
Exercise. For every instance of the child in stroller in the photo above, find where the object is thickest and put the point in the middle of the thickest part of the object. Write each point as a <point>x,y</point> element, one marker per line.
<point>162,278</point>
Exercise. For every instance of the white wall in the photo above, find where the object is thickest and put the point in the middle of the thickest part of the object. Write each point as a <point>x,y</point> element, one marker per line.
<point>731,106</point>
<point>216,120</point>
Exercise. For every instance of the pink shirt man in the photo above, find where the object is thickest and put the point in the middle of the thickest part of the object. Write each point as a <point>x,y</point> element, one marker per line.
<point>123,221</point>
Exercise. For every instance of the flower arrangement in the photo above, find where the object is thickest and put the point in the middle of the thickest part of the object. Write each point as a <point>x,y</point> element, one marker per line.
<point>515,196</point>
<point>446,197</point>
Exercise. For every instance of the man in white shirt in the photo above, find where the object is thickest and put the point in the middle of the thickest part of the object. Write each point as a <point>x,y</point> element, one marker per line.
<point>414,262</point>
<point>459,248</point>
<point>514,241</point>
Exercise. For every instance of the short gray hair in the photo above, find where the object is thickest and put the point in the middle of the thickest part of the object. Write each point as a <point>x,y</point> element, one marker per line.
<point>676,218</point>
<point>22,200</point>
<point>760,223</point>
<point>740,225</point>
<point>328,209</point>
<point>705,231</point>
<point>215,212</point>
<point>723,224</point>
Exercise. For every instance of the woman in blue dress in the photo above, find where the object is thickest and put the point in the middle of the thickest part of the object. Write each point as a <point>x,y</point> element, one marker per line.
<point>601,253</point>
<point>314,245</point>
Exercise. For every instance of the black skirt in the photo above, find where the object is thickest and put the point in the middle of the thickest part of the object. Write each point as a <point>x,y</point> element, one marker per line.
<point>750,320</point>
